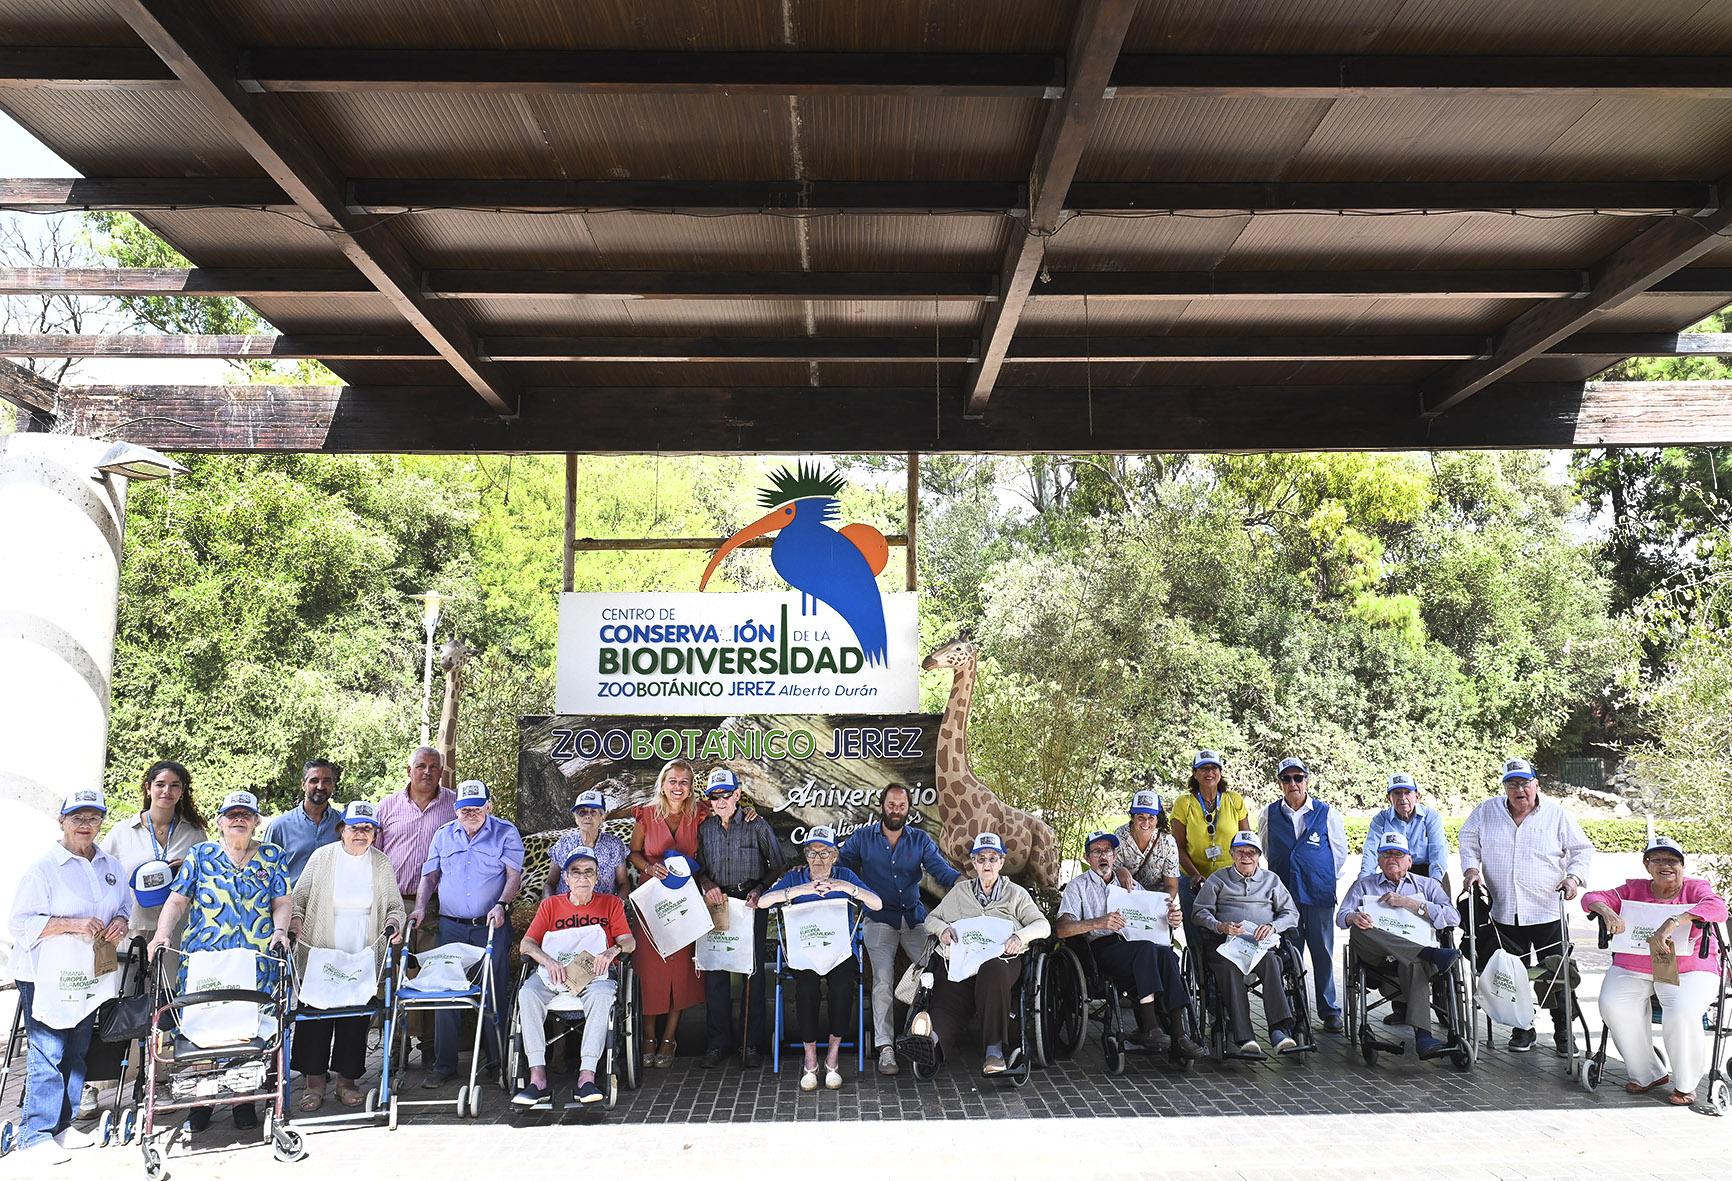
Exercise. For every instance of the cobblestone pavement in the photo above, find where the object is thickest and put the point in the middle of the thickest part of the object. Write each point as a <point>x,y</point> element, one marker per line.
<point>1325,1114</point>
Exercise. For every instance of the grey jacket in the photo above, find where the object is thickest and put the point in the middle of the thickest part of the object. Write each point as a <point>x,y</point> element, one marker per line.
<point>1227,896</point>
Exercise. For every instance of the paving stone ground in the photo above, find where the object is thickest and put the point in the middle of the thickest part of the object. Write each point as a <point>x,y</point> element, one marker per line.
<point>1320,1115</point>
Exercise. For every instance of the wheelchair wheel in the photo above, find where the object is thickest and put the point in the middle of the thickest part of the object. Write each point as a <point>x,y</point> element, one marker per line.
<point>1064,1004</point>
<point>1718,1101</point>
<point>1114,1050</point>
<point>629,1033</point>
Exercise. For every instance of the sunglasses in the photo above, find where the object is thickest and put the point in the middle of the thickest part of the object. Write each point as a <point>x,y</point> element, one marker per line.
<point>1294,778</point>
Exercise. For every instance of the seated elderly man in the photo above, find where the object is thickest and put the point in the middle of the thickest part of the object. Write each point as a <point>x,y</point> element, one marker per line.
<point>1149,971</point>
<point>1247,899</point>
<point>1372,910</point>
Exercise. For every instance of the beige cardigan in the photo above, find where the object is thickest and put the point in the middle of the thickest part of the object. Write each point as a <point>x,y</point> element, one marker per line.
<point>1014,904</point>
<point>316,890</point>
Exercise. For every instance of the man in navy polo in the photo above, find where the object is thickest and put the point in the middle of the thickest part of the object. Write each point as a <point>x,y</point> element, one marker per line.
<point>890,858</point>
<point>1307,850</point>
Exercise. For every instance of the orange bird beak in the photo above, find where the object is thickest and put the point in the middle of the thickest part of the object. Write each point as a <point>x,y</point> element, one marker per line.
<point>771,521</point>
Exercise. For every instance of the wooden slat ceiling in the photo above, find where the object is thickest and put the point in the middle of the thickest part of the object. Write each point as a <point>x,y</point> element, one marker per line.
<point>1460,176</point>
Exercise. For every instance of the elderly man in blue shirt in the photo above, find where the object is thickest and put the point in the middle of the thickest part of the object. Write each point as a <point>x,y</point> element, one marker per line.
<point>890,857</point>
<point>313,823</point>
<point>1420,826</point>
<point>1371,902</point>
<point>475,867</point>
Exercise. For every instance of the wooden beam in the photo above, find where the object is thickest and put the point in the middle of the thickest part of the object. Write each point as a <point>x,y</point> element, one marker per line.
<point>187,36</point>
<point>73,194</point>
<point>704,197</point>
<point>731,420</point>
<point>996,75</point>
<point>291,347</point>
<point>1356,196</point>
<point>1627,272</point>
<point>949,287</point>
<point>588,545</point>
<point>863,349</point>
<point>32,394</point>
<point>1161,75</point>
<point>1097,33</point>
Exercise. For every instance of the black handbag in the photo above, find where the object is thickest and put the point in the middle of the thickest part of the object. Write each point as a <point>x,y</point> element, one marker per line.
<point>126,1018</point>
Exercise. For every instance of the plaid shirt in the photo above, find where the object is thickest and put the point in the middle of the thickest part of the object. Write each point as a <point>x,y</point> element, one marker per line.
<point>741,857</point>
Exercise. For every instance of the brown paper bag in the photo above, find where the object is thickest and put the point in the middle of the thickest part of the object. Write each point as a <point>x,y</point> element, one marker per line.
<point>579,972</point>
<point>107,959</point>
<point>719,914</point>
<point>1665,966</point>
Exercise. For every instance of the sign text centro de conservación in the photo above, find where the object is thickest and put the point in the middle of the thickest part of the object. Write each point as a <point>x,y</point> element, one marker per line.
<point>697,653</point>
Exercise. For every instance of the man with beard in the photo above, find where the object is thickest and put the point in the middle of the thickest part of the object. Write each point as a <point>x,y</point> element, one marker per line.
<point>890,858</point>
<point>311,825</point>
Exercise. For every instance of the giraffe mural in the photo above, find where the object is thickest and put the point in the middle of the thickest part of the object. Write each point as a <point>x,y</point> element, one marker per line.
<point>965,804</point>
<point>452,657</point>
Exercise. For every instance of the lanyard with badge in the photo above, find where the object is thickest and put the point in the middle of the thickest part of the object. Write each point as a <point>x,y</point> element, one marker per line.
<point>161,848</point>
<point>1213,852</point>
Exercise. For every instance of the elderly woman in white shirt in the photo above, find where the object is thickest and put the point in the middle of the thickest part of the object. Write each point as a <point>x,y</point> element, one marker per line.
<point>76,891</point>
<point>346,899</point>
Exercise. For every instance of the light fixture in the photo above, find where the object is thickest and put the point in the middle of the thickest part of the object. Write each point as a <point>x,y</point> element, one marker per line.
<point>137,463</point>
<point>430,616</point>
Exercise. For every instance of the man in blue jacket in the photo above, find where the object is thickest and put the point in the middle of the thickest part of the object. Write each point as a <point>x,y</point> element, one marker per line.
<point>890,857</point>
<point>1307,850</point>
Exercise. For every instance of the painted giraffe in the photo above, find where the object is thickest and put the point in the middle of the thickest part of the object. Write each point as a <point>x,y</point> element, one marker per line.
<point>452,657</point>
<point>967,806</point>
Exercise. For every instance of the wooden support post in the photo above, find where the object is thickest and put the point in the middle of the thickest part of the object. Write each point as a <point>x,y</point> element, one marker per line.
<point>570,518</point>
<point>913,514</point>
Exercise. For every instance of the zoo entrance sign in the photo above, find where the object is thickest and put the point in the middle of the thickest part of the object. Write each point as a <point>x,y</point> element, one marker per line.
<point>693,653</point>
<point>838,644</point>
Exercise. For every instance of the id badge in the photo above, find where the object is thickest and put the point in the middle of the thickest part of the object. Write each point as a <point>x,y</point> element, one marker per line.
<point>1213,852</point>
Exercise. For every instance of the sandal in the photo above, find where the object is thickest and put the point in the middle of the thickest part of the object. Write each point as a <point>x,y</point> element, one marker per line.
<point>350,1096</point>
<point>669,1049</point>
<point>1644,1088</point>
<point>310,1100</point>
<point>1681,1098</point>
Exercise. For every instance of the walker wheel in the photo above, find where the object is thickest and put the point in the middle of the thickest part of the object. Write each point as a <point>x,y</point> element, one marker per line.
<point>8,1136</point>
<point>1591,1072</point>
<point>129,1125</point>
<point>1719,1097</point>
<point>287,1146</point>
<point>462,1102</point>
<point>105,1127</point>
<point>153,1165</point>
<point>269,1126</point>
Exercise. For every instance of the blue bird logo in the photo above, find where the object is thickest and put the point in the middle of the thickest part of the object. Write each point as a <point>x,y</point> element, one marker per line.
<point>836,567</point>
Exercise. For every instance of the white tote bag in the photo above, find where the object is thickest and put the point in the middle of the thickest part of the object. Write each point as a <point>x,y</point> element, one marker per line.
<point>673,919</point>
<point>339,979</point>
<point>446,968</point>
<point>67,987</point>
<point>1402,923</point>
<point>1505,992</point>
<point>977,940</point>
<point>730,950</point>
<point>221,1023</point>
<point>819,935</point>
<point>1145,914</point>
<point>565,945</point>
<point>1245,952</point>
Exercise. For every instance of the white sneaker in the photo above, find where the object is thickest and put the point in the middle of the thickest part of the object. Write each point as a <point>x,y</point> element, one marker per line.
<point>887,1061</point>
<point>72,1139</point>
<point>88,1101</point>
<point>44,1152</point>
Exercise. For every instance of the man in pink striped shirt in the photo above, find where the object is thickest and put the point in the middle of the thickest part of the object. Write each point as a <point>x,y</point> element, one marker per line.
<point>407,821</point>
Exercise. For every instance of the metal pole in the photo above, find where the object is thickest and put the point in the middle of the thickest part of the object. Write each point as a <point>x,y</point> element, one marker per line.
<point>427,688</point>
<point>913,512</point>
<point>570,518</point>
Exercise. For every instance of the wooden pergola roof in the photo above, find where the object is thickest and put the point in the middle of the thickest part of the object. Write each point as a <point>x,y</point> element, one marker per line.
<point>911,225</point>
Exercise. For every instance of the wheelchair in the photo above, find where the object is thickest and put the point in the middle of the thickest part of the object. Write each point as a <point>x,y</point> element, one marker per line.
<point>622,1060</point>
<point>782,981</point>
<point>1025,1005</point>
<point>1207,1012</point>
<point>1454,1002</point>
<point>1072,992</point>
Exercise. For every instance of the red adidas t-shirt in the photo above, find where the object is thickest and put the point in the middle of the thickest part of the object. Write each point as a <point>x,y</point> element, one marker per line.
<point>559,913</point>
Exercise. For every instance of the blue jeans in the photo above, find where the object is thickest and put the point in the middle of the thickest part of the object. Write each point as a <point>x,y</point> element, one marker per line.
<point>446,1027</point>
<point>54,1073</point>
<point>1317,929</point>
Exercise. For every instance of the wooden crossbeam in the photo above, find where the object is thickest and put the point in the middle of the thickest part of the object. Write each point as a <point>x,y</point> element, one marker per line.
<point>1006,75</point>
<point>1628,271</point>
<point>263,347</point>
<point>26,390</point>
<point>187,36</point>
<point>949,287</point>
<point>731,420</point>
<point>124,194</point>
<point>727,348</point>
<point>1097,33</point>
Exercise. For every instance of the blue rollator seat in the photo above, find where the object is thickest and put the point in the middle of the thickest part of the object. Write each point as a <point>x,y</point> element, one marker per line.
<point>786,981</point>
<point>621,1060</point>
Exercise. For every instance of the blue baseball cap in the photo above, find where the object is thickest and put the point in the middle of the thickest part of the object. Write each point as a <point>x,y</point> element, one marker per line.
<point>1393,842</point>
<point>472,793</point>
<point>84,797</point>
<point>1287,765</point>
<point>360,812</point>
<point>1518,769</point>
<point>1400,781</point>
<point>819,834</point>
<point>151,882</point>
<point>1146,803</point>
<point>579,853</point>
<point>244,800</point>
<point>1246,839</point>
<point>985,841</point>
<point>589,799</point>
<point>1207,758</point>
<point>681,869</point>
<point>721,782</point>
<point>1101,836</point>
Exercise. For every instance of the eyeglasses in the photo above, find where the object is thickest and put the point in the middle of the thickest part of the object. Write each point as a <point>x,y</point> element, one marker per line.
<point>1293,778</point>
<point>583,873</point>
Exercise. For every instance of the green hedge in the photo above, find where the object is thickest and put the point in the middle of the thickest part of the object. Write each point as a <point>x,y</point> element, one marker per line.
<point>1609,836</point>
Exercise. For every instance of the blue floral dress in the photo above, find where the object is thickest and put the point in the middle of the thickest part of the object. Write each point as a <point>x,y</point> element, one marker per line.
<point>230,904</point>
<point>610,854</point>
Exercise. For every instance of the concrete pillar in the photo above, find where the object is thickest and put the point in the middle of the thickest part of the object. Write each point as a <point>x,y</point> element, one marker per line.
<point>60,536</point>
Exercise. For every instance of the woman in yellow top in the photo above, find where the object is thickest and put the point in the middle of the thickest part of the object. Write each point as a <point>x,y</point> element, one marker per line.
<point>1204,820</point>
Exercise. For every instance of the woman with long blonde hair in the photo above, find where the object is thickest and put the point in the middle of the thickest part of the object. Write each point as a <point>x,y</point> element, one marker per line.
<point>668,824</point>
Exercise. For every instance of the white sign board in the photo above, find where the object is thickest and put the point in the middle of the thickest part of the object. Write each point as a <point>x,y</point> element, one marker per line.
<point>720,653</point>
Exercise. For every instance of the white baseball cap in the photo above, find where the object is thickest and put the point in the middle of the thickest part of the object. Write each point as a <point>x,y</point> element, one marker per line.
<point>681,869</point>
<point>1400,781</point>
<point>84,797</point>
<point>721,782</point>
<point>987,840</point>
<point>151,882</point>
<point>1663,845</point>
<point>1206,758</point>
<point>579,852</point>
<point>1393,842</point>
<point>1146,803</point>
<point>240,799</point>
<point>1518,769</point>
<point>820,834</point>
<point>472,793</point>
<point>1287,765</point>
<point>1101,835</point>
<point>360,812</point>
<point>589,799</point>
<point>1246,839</point>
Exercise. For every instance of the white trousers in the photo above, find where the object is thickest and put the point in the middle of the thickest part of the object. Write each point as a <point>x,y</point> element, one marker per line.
<point>881,941</point>
<point>532,1001</point>
<point>1625,1008</point>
